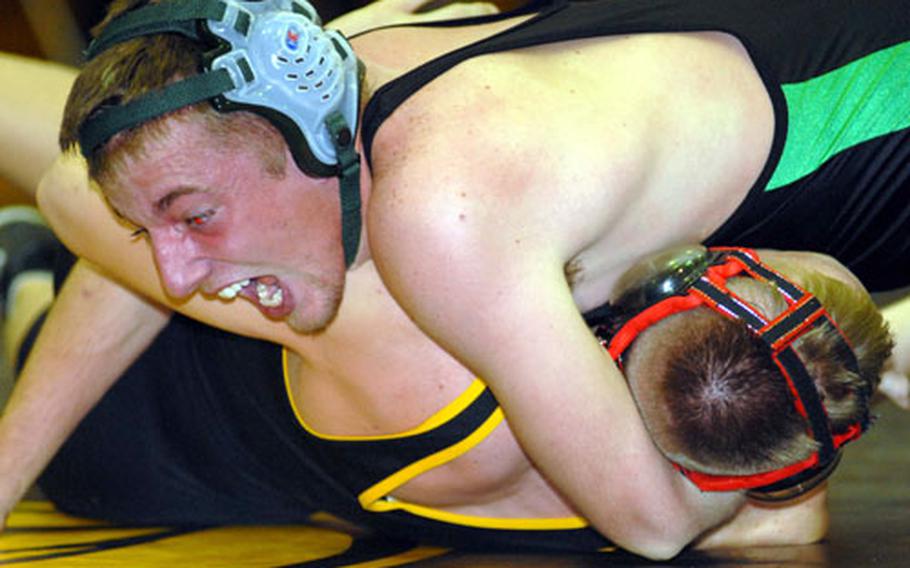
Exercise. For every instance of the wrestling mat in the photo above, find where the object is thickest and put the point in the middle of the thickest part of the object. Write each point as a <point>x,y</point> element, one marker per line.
<point>39,536</point>
<point>870,514</point>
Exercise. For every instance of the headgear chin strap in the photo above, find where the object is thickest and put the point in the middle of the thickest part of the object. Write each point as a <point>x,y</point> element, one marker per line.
<point>697,277</point>
<point>271,57</point>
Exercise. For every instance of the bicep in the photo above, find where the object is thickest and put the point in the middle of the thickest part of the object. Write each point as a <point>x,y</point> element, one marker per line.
<point>500,305</point>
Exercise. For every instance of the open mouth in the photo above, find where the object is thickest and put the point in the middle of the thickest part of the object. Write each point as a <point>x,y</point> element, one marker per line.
<point>264,291</point>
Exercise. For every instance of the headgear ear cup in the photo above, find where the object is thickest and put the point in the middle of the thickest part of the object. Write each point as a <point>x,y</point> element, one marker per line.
<point>271,57</point>
<point>660,276</point>
<point>301,74</point>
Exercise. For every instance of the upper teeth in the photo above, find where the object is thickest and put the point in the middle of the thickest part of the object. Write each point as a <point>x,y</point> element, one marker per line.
<point>230,292</point>
<point>266,295</point>
<point>269,300</point>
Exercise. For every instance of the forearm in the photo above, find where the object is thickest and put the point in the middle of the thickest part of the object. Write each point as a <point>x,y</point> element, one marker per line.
<point>566,402</point>
<point>32,96</point>
<point>802,521</point>
<point>92,333</point>
<point>621,483</point>
<point>507,314</point>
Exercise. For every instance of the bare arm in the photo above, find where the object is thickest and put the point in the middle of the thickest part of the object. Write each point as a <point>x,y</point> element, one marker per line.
<point>32,95</point>
<point>564,399</point>
<point>97,326</point>
<point>71,364</point>
<point>481,271</point>
<point>801,521</point>
<point>67,373</point>
<point>95,329</point>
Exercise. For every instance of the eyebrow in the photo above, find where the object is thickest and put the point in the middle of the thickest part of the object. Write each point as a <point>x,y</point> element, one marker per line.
<point>165,202</point>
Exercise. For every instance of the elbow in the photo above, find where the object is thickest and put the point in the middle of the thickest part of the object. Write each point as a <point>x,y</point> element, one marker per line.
<point>46,196</point>
<point>659,530</point>
<point>48,193</point>
<point>657,537</point>
<point>658,547</point>
<point>52,196</point>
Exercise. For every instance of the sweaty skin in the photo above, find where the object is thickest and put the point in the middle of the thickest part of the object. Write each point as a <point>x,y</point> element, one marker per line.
<point>476,253</point>
<point>444,222</point>
<point>341,391</point>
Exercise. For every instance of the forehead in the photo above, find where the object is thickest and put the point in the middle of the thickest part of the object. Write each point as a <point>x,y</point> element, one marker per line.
<point>177,158</point>
<point>185,139</point>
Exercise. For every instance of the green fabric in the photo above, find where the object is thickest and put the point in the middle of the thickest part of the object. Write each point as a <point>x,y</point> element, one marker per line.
<point>867,98</point>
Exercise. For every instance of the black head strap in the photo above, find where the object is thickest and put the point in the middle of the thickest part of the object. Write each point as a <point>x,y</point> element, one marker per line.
<point>166,17</point>
<point>111,120</point>
<point>808,310</point>
<point>349,179</point>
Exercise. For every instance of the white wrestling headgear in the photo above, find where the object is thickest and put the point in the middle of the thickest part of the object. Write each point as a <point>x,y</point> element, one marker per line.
<point>271,57</point>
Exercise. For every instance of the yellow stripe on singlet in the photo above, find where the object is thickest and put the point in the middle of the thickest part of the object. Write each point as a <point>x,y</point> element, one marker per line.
<point>377,497</point>
<point>451,410</point>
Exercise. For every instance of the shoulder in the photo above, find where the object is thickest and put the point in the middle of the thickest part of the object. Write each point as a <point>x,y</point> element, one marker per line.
<point>446,157</point>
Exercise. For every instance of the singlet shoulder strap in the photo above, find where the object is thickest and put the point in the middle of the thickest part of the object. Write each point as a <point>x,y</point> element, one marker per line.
<point>391,95</point>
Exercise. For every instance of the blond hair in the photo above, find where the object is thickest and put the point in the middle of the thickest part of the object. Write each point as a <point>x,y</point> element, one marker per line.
<point>713,399</point>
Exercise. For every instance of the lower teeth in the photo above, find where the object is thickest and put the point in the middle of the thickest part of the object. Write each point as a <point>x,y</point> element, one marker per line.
<point>272,300</point>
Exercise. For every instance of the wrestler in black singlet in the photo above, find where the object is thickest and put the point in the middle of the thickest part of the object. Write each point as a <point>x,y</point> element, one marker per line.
<point>201,430</point>
<point>218,441</point>
<point>838,74</point>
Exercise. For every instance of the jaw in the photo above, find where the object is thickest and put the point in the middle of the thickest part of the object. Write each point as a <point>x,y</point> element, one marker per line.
<point>308,308</point>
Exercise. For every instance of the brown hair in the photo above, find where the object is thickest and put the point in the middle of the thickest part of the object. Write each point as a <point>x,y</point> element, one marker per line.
<point>713,399</point>
<point>133,68</point>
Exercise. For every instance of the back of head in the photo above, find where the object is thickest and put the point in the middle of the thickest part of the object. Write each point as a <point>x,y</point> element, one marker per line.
<point>715,401</point>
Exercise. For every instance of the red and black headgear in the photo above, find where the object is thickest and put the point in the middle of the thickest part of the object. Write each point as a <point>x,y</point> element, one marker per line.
<point>695,276</point>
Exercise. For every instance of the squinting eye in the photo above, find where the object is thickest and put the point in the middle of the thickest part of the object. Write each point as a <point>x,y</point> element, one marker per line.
<point>199,220</point>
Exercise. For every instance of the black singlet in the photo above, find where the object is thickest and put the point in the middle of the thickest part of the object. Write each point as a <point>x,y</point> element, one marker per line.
<point>838,73</point>
<point>201,431</point>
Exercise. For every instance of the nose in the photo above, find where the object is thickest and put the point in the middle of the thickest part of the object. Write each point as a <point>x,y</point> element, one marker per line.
<point>180,266</point>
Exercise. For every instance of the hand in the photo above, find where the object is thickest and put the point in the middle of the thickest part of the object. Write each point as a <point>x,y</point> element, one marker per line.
<point>388,12</point>
<point>803,520</point>
<point>6,507</point>
<point>896,387</point>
